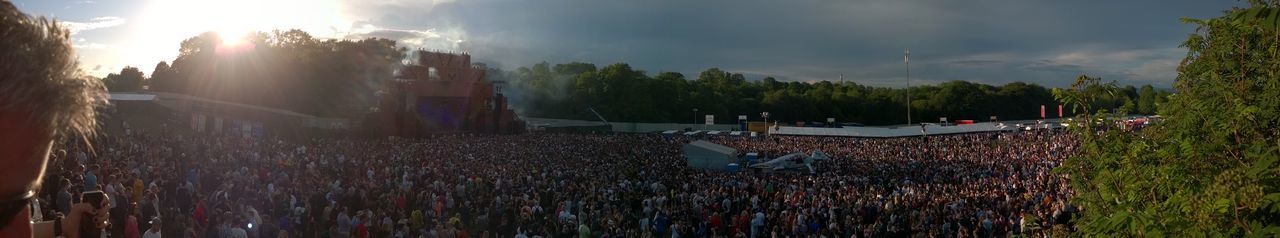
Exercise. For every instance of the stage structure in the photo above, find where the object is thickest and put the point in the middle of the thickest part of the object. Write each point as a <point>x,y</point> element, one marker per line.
<point>442,93</point>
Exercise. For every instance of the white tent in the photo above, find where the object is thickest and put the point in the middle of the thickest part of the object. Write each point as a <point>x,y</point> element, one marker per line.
<point>714,134</point>
<point>695,134</point>
<point>130,97</point>
<point>706,155</point>
<point>669,134</point>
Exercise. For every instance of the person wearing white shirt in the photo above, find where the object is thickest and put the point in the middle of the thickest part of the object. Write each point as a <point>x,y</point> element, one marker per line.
<point>344,224</point>
<point>154,231</point>
<point>111,191</point>
<point>675,230</point>
<point>251,215</point>
<point>520,234</point>
<point>564,215</point>
<point>757,224</point>
<point>239,232</point>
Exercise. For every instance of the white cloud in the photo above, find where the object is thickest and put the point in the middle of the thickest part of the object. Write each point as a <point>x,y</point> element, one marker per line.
<point>1158,71</point>
<point>1151,65</point>
<point>91,46</point>
<point>92,24</point>
<point>432,38</point>
<point>1103,57</point>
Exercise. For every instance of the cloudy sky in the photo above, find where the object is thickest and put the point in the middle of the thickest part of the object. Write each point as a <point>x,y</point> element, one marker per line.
<point>988,41</point>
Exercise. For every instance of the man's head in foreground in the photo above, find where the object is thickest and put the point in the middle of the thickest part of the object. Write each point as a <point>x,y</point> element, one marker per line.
<point>43,99</point>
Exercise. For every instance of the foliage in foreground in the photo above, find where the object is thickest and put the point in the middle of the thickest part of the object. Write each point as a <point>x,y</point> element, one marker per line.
<point>1210,168</point>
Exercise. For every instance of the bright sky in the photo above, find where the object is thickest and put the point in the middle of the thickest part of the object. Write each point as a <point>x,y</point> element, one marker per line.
<point>109,34</point>
<point>988,41</point>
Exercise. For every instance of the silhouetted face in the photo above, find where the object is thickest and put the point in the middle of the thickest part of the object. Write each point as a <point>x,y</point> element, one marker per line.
<point>24,148</point>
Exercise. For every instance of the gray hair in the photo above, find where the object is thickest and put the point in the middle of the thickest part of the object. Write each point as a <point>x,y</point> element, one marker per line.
<point>39,76</point>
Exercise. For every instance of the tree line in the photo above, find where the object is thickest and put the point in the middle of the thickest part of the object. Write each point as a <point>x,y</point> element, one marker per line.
<point>621,93</point>
<point>282,69</point>
<point>339,78</point>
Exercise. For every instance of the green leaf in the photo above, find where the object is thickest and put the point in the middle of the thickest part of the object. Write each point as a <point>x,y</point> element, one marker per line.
<point>1253,14</point>
<point>1221,205</point>
<point>1156,232</point>
<point>1273,21</point>
<point>1272,201</point>
<point>1118,220</point>
<point>1262,164</point>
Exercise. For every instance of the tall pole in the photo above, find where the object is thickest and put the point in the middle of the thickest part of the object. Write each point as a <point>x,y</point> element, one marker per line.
<point>906,59</point>
<point>766,121</point>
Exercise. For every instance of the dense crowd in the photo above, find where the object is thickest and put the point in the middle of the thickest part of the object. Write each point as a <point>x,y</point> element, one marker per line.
<point>563,185</point>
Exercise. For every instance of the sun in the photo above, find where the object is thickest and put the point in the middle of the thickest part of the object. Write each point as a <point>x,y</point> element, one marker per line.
<point>232,37</point>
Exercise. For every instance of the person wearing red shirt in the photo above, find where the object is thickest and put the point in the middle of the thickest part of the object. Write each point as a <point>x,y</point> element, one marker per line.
<point>202,219</point>
<point>131,224</point>
<point>401,202</point>
<point>361,230</point>
<point>715,223</point>
<point>462,233</point>
<point>742,224</point>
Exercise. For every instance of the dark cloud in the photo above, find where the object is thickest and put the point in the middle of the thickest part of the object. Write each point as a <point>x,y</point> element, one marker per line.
<point>985,40</point>
<point>973,62</point>
<point>1049,66</point>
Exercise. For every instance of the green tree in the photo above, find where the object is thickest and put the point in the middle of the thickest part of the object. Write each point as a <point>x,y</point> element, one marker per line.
<point>672,92</point>
<point>670,97</point>
<point>160,75</point>
<point>1209,169</point>
<point>283,69</point>
<point>129,79</point>
<point>1147,100</point>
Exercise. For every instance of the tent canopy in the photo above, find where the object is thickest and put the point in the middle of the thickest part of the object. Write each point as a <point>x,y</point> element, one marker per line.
<point>131,97</point>
<point>706,155</point>
<point>719,149</point>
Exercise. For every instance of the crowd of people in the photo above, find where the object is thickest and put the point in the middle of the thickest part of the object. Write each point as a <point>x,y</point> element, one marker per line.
<point>563,185</point>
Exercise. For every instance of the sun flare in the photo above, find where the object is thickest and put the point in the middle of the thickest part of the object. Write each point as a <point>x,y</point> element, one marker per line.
<point>232,37</point>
